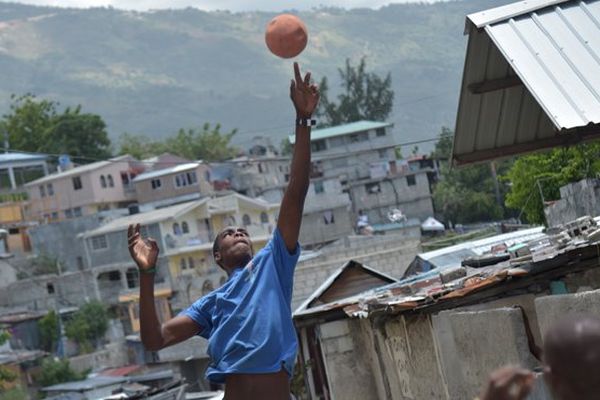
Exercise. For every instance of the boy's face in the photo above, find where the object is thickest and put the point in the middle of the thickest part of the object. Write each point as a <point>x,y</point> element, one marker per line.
<point>233,244</point>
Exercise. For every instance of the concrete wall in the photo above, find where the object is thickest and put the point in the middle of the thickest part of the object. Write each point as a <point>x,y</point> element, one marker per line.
<point>414,201</point>
<point>112,356</point>
<point>449,355</point>
<point>342,344</point>
<point>577,200</point>
<point>70,289</point>
<point>59,240</point>
<point>326,225</point>
<point>390,254</point>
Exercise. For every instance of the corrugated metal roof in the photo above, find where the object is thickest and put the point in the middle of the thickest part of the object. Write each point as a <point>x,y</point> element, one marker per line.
<point>166,171</point>
<point>531,79</point>
<point>8,158</point>
<point>345,129</point>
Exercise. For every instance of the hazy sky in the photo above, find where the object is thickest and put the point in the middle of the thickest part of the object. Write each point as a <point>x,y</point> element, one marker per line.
<point>233,5</point>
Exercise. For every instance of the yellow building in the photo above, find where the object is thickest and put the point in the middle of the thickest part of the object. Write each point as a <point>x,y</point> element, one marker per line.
<point>189,239</point>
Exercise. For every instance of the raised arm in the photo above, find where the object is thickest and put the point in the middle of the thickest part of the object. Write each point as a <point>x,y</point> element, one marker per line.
<point>154,335</point>
<point>305,97</point>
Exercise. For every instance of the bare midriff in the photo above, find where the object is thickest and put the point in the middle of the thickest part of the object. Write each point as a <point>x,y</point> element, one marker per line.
<point>273,386</point>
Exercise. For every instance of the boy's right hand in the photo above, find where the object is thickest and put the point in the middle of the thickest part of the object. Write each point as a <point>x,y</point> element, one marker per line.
<point>509,383</point>
<point>143,251</point>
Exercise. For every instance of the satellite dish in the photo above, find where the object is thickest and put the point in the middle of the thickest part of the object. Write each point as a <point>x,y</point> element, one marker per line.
<point>395,215</point>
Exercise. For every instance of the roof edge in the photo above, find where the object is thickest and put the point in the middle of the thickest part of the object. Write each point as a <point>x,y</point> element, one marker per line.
<point>502,13</point>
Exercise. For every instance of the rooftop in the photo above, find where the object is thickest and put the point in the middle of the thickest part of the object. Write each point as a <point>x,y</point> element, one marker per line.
<point>15,157</point>
<point>82,169</point>
<point>86,384</point>
<point>345,129</point>
<point>166,171</point>
<point>530,79</point>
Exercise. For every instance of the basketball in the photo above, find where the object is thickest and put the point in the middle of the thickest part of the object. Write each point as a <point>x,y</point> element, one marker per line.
<point>286,36</point>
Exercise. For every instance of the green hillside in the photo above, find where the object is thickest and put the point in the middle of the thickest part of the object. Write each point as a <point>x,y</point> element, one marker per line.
<point>158,71</point>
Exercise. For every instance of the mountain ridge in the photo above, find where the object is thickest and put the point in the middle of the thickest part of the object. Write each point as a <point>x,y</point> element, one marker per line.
<point>155,72</point>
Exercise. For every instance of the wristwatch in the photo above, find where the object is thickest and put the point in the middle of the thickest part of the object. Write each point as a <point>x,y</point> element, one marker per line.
<point>306,122</point>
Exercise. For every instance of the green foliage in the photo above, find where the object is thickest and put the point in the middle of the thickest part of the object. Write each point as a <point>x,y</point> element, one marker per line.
<point>206,143</point>
<point>36,125</point>
<point>6,375</point>
<point>466,195</point>
<point>55,371</point>
<point>48,326</point>
<point>88,325</point>
<point>286,147</point>
<point>548,172</point>
<point>16,393</point>
<point>365,96</point>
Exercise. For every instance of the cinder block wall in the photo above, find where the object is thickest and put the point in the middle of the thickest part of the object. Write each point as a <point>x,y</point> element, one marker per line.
<point>449,355</point>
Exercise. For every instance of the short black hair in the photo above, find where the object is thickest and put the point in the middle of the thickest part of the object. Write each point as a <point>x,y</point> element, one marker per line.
<point>216,247</point>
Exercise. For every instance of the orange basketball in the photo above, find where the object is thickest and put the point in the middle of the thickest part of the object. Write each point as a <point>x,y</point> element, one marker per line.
<point>286,36</point>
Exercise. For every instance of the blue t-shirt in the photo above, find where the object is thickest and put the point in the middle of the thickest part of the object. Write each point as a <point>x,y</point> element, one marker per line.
<point>248,320</point>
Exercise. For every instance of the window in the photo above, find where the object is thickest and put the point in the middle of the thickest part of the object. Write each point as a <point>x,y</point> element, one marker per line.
<point>50,189</point>
<point>50,288</point>
<point>77,183</point>
<point>156,183</point>
<point>68,213</point>
<point>246,220</point>
<point>380,132</point>
<point>102,181</point>
<point>184,227</point>
<point>328,217</point>
<point>77,212</point>
<point>13,231</point>
<point>185,179</point>
<point>111,182</point>
<point>191,263</point>
<point>319,187</point>
<point>411,180</point>
<point>318,145</point>
<point>176,229</point>
<point>80,265</point>
<point>182,263</point>
<point>99,242</point>
<point>54,215</point>
<point>42,191</point>
<point>114,276</point>
<point>337,141</point>
<point>260,168</point>
<point>132,276</point>
<point>382,153</point>
<point>264,218</point>
<point>372,188</point>
<point>125,178</point>
<point>359,137</point>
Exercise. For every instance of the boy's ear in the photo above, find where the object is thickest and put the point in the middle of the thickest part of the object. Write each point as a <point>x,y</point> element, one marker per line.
<point>217,256</point>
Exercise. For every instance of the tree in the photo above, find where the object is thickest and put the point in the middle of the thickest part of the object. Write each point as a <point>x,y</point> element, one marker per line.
<point>56,371</point>
<point>206,143</point>
<point>37,126</point>
<point>365,96</point>
<point>465,195</point>
<point>48,326</point>
<point>79,135</point>
<point>140,146</point>
<point>541,175</point>
<point>6,375</point>
<point>88,325</point>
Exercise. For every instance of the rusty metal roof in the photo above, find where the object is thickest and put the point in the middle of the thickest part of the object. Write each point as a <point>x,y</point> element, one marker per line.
<point>531,79</point>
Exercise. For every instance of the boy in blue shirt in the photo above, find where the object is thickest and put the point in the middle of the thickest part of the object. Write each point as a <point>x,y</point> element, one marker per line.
<point>247,321</point>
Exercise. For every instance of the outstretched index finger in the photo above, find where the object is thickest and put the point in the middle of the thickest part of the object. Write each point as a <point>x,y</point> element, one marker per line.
<point>297,74</point>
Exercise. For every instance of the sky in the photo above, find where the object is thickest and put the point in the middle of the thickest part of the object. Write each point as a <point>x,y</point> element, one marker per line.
<point>232,5</point>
